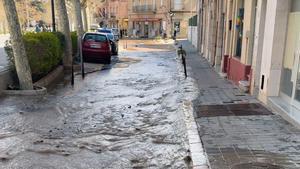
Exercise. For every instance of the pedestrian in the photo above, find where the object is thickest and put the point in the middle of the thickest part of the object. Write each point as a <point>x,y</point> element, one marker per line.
<point>176,30</point>
<point>121,33</point>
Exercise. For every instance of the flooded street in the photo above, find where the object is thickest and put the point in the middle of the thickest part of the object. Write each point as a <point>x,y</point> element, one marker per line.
<point>126,116</point>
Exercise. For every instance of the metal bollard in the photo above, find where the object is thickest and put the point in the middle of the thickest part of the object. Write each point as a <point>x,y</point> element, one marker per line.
<point>184,63</point>
<point>183,57</point>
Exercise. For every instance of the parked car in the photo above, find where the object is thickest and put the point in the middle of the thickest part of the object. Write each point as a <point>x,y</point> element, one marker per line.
<point>116,32</point>
<point>96,47</point>
<point>112,38</point>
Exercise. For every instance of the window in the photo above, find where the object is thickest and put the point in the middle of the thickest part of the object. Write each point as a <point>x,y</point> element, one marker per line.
<point>95,37</point>
<point>178,5</point>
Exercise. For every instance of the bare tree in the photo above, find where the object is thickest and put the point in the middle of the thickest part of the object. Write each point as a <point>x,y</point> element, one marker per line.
<point>77,12</point>
<point>64,26</point>
<point>20,57</point>
<point>84,6</point>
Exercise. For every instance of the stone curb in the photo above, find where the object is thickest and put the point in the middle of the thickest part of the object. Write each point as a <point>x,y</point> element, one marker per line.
<point>197,152</point>
<point>53,76</point>
<point>38,92</point>
<point>198,155</point>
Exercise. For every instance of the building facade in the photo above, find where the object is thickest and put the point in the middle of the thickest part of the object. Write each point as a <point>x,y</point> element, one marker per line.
<point>151,18</point>
<point>108,13</point>
<point>118,14</point>
<point>256,45</point>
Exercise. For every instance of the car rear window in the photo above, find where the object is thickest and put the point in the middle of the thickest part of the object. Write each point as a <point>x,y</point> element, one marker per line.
<point>94,37</point>
<point>104,30</point>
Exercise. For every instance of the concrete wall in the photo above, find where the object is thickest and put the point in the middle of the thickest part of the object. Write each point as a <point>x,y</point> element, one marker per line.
<point>192,35</point>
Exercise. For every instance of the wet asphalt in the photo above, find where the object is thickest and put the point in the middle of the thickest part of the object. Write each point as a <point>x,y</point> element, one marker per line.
<point>126,115</point>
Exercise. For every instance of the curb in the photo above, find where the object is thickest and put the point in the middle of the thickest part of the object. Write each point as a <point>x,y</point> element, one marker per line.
<point>198,155</point>
<point>52,77</point>
<point>197,152</point>
<point>40,91</point>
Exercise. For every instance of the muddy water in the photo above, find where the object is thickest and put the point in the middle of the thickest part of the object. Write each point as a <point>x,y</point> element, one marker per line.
<point>128,116</point>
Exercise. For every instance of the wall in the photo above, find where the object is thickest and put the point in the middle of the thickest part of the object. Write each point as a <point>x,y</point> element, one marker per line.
<point>273,50</point>
<point>192,35</point>
<point>258,46</point>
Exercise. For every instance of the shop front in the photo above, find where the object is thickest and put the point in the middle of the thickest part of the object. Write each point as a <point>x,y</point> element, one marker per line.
<point>287,101</point>
<point>290,80</point>
<point>146,28</point>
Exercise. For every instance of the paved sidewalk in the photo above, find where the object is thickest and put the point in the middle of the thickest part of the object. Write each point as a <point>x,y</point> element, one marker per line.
<point>236,130</point>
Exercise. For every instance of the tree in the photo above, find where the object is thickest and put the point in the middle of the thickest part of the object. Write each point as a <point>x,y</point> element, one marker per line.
<point>78,15</point>
<point>20,57</point>
<point>64,27</point>
<point>84,6</point>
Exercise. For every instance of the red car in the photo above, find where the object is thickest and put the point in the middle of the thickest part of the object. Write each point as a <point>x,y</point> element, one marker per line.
<point>96,47</point>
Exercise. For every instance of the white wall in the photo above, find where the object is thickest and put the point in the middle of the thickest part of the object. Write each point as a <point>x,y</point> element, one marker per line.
<point>273,46</point>
<point>193,35</point>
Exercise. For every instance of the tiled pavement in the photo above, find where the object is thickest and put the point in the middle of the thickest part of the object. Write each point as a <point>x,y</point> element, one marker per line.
<point>254,140</point>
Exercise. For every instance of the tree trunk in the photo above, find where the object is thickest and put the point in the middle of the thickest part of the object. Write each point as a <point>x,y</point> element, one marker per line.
<point>78,20</point>
<point>64,27</point>
<point>20,57</point>
<point>85,21</point>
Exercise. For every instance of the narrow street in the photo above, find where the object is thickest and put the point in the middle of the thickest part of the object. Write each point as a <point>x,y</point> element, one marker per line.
<point>126,116</point>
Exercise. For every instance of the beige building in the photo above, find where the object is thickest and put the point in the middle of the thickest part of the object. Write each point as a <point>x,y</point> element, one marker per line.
<point>255,44</point>
<point>151,18</point>
<point>118,14</point>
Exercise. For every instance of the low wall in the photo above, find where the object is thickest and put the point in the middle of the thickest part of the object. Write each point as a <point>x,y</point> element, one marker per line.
<point>237,71</point>
<point>193,35</point>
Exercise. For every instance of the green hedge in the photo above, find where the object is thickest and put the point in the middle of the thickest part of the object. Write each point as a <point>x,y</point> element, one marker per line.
<point>74,42</point>
<point>44,51</point>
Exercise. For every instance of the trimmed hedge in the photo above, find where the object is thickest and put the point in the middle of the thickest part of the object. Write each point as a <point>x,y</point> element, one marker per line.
<point>74,38</point>
<point>44,51</point>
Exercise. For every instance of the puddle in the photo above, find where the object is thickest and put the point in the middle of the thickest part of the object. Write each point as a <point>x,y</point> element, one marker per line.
<point>125,62</point>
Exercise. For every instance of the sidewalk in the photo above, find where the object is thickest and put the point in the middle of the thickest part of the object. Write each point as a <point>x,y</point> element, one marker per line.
<point>236,130</point>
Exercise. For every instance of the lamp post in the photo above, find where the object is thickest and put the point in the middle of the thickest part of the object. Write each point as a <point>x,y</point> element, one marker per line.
<point>53,16</point>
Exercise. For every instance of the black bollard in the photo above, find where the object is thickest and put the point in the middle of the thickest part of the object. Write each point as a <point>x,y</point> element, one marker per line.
<point>184,65</point>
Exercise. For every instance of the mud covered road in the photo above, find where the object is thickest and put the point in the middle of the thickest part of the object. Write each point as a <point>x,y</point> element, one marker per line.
<point>126,116</point>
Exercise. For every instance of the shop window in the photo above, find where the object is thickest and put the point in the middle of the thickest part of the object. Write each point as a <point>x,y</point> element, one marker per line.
<point>239,27</point>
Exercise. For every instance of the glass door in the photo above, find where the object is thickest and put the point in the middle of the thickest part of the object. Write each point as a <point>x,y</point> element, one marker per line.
<point>296,69</point>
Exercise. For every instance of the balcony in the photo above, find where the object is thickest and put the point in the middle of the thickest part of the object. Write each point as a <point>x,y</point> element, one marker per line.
<point>143,8</point>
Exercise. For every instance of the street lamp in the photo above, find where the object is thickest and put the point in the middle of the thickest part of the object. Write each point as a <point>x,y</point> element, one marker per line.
<point>53,16</point>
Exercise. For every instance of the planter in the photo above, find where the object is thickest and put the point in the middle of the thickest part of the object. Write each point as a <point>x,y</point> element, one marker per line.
<point>51,78</point>
<point>38,91</point>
